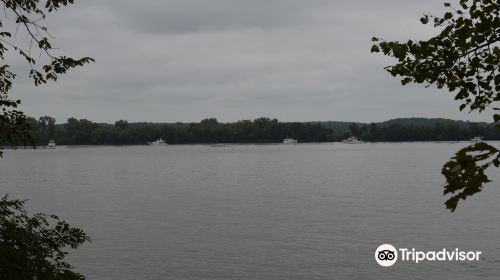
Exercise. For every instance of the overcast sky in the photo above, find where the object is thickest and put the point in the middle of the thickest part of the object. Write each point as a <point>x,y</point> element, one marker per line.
<point>185,60</point>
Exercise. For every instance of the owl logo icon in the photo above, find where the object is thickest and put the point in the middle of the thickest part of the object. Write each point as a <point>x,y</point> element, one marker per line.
<point>386,255</point>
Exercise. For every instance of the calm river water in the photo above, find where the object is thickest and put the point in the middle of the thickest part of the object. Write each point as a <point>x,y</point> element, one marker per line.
<point>306,211</point>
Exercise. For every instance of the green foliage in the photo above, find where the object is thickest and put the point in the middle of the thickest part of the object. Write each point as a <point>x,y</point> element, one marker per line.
<point>413,129</point>
<point>13,123</point>
<point>121,124</point>
<point>33,246</point>
<point>28,15</point>
<point>261,130</point>
<point>47,125</point>
<point>465,172</point>
<point>464,57</point>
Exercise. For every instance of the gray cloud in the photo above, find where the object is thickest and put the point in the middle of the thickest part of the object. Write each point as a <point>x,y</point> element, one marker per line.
<point>183,60</point>
<point>181,16</point>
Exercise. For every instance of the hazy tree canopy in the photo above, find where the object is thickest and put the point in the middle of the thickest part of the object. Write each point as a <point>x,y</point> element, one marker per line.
<point>25,18</point>
<point>261,130</point>
<point>464,57</point>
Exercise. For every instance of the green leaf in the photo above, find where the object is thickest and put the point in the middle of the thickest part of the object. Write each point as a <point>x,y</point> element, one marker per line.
<point>465,174</point>
<point>424,19</point>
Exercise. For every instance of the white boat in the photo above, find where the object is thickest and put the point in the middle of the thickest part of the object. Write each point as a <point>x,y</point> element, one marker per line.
<point>352,140</point>
<point>219,145</point>
<point>289,141</point>
<point>51,144</point>
<point>477,139</point>
<point>159,142</point>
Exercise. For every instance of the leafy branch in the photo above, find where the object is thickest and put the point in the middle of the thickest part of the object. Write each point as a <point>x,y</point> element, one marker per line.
<point>465,172</point>
<point>28,14</point>
<point>464,57</point>
<point>32,246</point>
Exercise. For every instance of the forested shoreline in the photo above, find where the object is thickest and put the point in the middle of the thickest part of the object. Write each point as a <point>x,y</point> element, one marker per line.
<point>260,130</point>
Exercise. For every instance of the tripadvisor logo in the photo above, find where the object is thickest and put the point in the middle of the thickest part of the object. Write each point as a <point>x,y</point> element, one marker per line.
<point>387,255</point>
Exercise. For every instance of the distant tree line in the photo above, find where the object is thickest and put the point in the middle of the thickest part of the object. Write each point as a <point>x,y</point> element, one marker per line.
<point>261,130</point>
<point>441,131</point>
